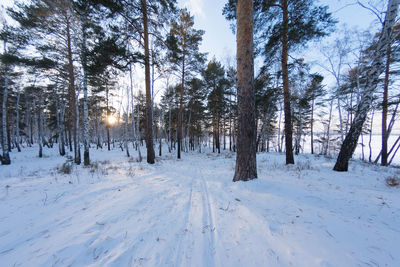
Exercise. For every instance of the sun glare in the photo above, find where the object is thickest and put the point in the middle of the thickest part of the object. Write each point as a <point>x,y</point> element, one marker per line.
<point>111,120</point>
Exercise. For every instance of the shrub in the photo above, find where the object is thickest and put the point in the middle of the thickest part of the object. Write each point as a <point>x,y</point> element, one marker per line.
<point>66,168</point>
<point>392,181</point>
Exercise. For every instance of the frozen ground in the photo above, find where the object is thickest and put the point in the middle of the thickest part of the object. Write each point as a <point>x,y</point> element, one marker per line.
<point>189,213</point>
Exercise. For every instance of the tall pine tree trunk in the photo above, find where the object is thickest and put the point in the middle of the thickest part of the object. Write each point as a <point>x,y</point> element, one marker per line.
<point>369,85</point>
<point>286,89</point>
<point>246,164</point>
<point>149,116</point>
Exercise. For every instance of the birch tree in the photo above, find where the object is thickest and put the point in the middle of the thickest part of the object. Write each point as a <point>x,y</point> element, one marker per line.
<point>369,84</point>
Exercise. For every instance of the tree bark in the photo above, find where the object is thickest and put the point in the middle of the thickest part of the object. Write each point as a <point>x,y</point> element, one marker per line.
<point>62,129</point>
<point>246,164</point>
<point>384,155</point>
<point>17,136</point>
<point>126,137</point>
<point>370,136</point>
<point>86,158</point>
<point>71,90</point>
<point>5,159</point>
<point>149,116</point>
<point>312,127</point>
<point>78,146</point>
<point>107,123</point>
<point>389,130</point>
<point>180,115</point>
<point>40,129</point>
<point>370,83</point>
<point>286,89</point>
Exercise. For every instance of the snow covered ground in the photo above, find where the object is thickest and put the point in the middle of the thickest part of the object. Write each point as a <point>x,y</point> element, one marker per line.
<point>188,212</point>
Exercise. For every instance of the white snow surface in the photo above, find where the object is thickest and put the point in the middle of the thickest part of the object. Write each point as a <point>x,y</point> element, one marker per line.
<point>188,212</point>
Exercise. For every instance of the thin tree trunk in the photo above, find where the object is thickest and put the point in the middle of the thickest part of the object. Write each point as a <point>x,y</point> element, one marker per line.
<point>62,129</point>
<point>246,164</point>
<point>71,88</point>
<point>86,142</point>
<point>393,146</point>
<point>39,126</point>
<point>340,119</point>
<point>328,130</point>
<point>78,141</point>
<point>312,127</point>
<point>180,115</point>
<point>370,137</point>
<point>362,147</point>
<point>17,137</point>
<point>138,134</point>
<point>126,125</point>
<point>169,129</point>
<point>230,124</point>
<point>107,123</point>
<point>389,130</point>
<point>5,159</point>
<point>279,128</point>
<point>394,154</point>
<point>384,155</point>
<point>29,123</point>
<point>133,107</point>
<point>188,127</point>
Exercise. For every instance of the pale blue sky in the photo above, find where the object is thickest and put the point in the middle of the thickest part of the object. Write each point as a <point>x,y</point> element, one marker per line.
<point>219,40</point>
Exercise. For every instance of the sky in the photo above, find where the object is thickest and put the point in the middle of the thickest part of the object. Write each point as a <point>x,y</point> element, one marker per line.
<point>219,41</point>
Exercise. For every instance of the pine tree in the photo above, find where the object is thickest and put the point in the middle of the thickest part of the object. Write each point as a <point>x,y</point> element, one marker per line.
<point>215,82</point>
<point>286,25</point>
<point>13,42</point>
<point>246,164</point>
<point>153,15</point>
<point>315,91</point>
<point>183,43</point>
<point>196,107</point>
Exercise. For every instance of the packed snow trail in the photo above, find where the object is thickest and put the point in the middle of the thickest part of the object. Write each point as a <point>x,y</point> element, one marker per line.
<point>189,213</point>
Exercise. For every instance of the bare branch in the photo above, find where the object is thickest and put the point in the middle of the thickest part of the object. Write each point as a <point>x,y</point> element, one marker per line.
<point>372,11</point>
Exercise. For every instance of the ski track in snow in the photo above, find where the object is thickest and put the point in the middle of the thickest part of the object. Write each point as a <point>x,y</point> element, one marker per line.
<point>188,213</point>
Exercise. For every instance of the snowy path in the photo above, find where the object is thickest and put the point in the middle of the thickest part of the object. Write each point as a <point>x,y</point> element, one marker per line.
<point>189,213</point>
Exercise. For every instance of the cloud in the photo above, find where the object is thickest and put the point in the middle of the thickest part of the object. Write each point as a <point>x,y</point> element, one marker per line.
<point>196,7</point>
